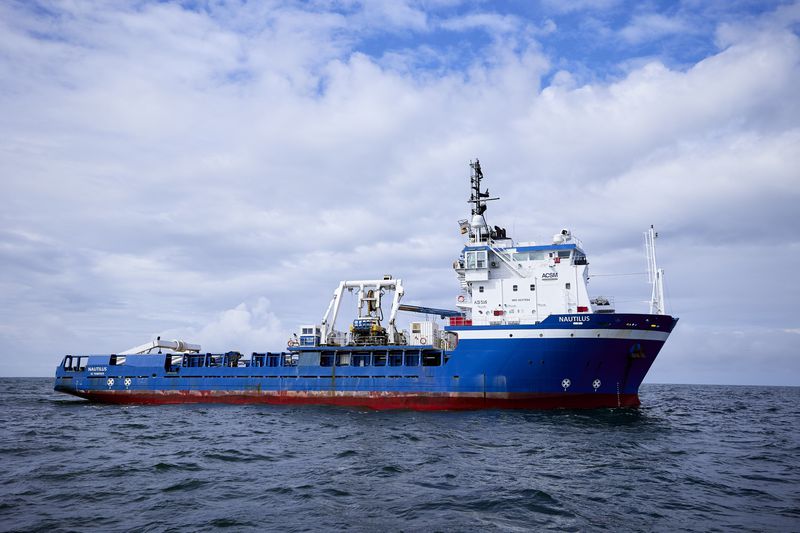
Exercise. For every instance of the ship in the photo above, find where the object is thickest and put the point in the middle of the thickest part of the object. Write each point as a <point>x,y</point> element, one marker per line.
<point>523,333</point>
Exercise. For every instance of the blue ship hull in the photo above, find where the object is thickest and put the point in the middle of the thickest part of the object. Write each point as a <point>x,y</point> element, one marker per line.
<point>572,361</point>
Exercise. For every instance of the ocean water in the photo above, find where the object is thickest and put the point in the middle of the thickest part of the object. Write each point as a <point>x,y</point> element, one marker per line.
<point>694,458</point>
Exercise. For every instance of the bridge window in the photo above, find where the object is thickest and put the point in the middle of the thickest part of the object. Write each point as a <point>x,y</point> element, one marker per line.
<point>476,259</point>
<point>564,254</point>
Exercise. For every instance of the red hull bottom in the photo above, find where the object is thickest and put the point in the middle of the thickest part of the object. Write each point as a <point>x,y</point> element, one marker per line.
<point>373,400</point>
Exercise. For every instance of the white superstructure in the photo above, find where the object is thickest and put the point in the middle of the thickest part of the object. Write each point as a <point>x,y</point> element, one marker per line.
<point>504,282</point>
<point>522,284</point>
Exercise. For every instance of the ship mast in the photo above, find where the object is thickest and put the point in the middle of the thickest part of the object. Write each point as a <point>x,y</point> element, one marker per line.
<point>480,230</point>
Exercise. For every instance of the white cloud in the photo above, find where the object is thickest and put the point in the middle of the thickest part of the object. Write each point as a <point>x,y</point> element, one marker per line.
<point>651,26</point>
<point>245,328</point>
<point>754,29</point>
<point>399,15</point>
<point>490,21</point>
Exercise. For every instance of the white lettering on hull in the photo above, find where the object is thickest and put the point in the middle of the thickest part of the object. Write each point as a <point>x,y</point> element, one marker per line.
<point>577,318</point>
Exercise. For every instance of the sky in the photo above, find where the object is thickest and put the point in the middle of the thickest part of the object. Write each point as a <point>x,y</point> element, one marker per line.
<point>211,170</point>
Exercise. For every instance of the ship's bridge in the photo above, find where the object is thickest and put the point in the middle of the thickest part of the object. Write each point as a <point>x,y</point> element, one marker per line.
<point>522,283</point>
<point>476,257</point>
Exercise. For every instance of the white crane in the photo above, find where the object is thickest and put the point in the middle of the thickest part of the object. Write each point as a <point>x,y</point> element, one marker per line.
<point>369,293</point>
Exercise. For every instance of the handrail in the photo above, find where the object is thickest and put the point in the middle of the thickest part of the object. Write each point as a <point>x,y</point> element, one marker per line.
<point>505,259</point>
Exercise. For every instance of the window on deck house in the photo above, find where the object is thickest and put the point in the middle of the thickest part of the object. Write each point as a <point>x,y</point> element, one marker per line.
<point>476,259</point>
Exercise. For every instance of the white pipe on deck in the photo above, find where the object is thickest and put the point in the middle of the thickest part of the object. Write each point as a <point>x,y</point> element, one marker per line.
<point>175,345</point>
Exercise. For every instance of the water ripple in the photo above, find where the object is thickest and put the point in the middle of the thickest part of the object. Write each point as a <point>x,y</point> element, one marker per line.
<point>693,458</point>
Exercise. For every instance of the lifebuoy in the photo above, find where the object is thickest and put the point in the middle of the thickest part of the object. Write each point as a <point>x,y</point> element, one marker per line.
<point>423,340</point>
<point>293,342</point>
<point>461,298</point>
